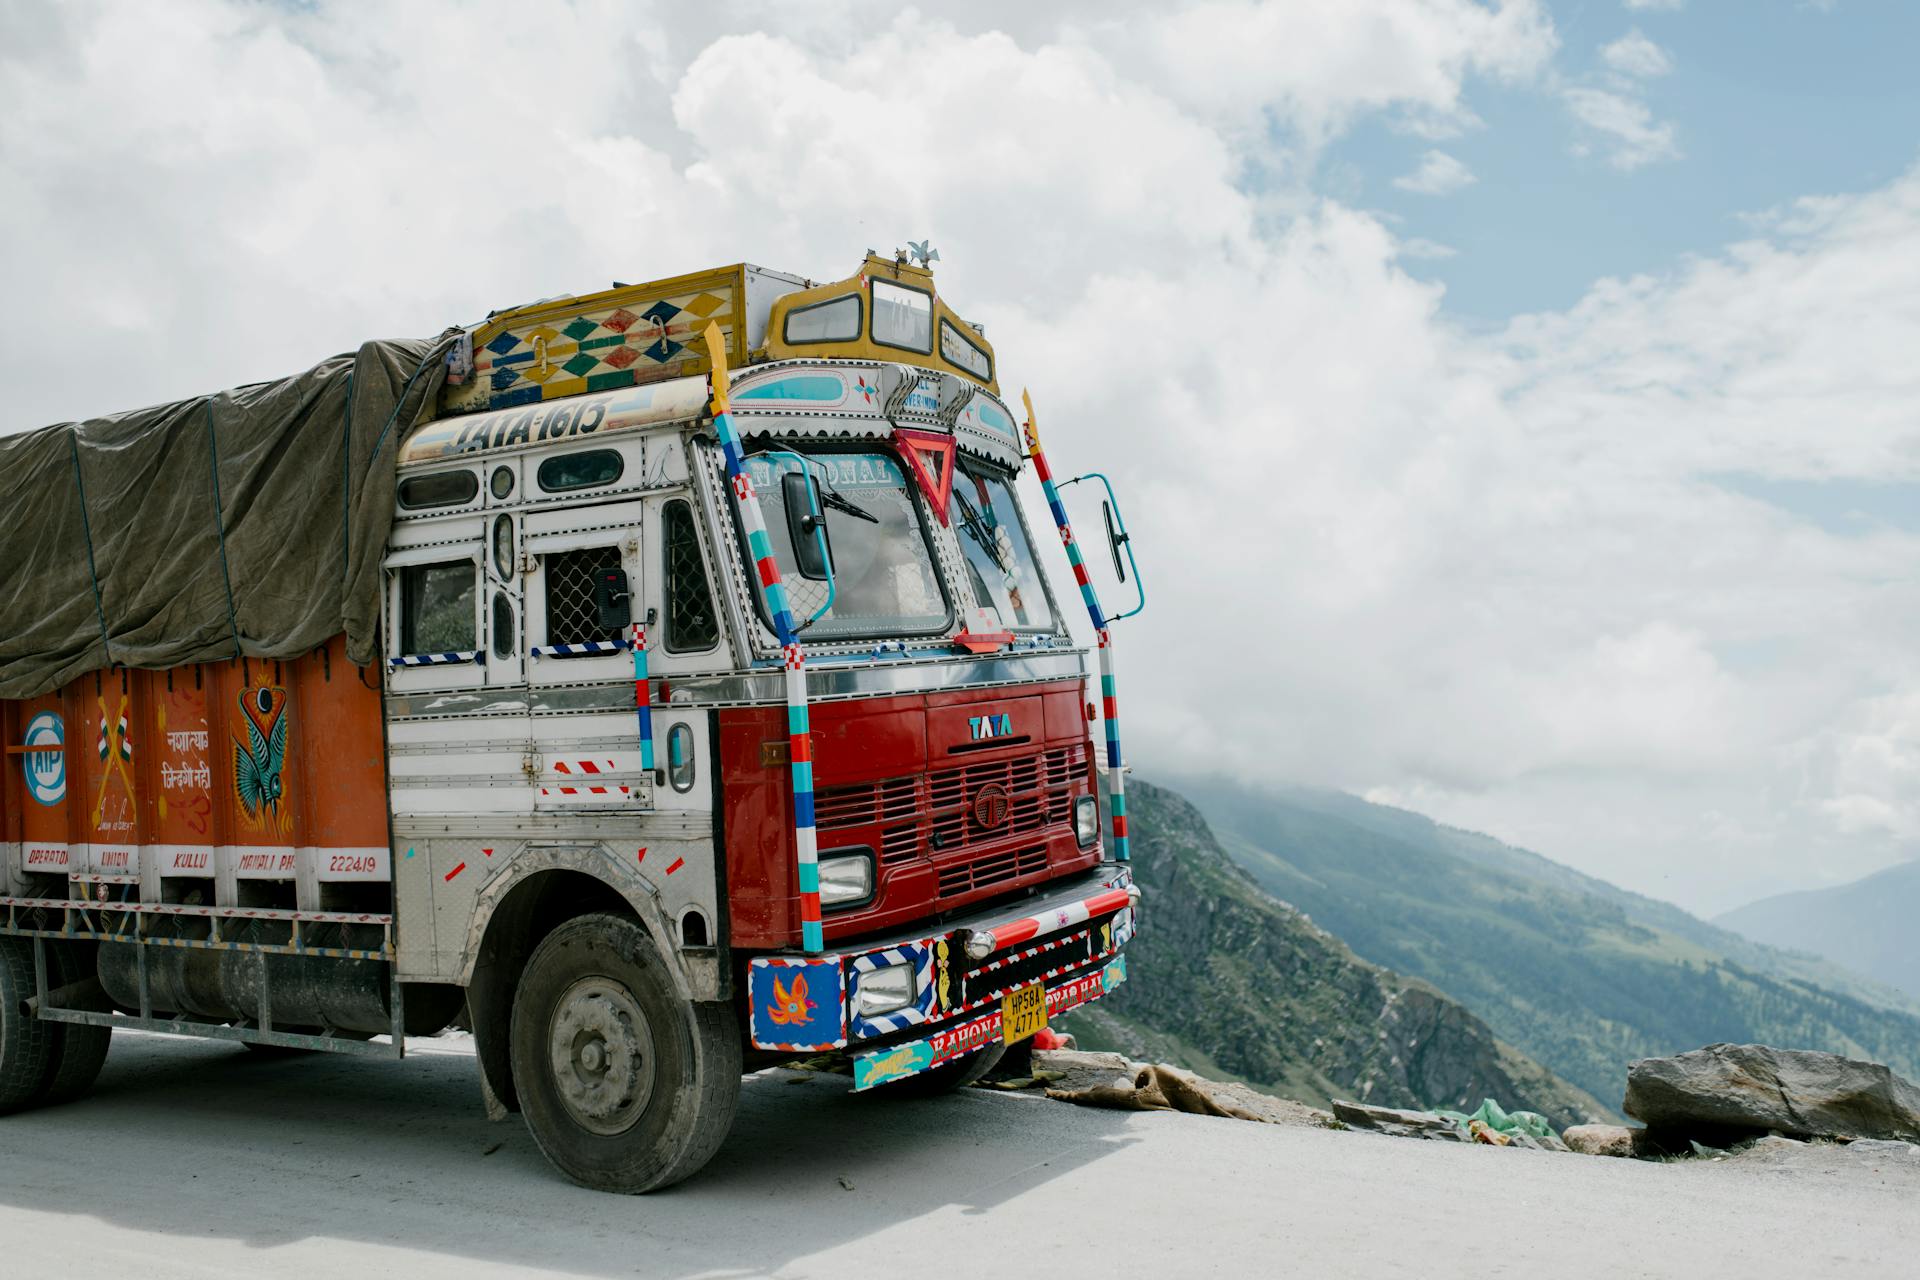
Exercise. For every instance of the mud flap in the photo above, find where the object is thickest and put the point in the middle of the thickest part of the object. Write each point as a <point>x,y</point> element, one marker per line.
<point>488,1013</point>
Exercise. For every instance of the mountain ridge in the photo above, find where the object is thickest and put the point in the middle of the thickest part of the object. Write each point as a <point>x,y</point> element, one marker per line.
<point>1867,925</point>
<point>1226,979</point>
<point>1581,976</point>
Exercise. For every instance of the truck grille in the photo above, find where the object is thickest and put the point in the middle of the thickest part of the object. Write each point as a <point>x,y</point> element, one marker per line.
<point>963,875</point>
<point>933,816</point>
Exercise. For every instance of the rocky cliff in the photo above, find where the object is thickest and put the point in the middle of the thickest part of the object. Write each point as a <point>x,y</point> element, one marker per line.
<point>1229,980</point>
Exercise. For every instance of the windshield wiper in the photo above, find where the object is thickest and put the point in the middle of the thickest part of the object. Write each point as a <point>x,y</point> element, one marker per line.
<point>829,498</point>
<point>980,531</point>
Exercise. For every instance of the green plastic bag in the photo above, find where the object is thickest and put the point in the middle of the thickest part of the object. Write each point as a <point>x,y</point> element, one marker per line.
<point>1500,1120</point>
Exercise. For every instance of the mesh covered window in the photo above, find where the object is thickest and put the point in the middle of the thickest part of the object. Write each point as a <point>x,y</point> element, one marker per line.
<point>691,624</point>
<point>571,615</point>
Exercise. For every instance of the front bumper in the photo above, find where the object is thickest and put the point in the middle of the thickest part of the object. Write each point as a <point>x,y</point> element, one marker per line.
<point>1071,939</point>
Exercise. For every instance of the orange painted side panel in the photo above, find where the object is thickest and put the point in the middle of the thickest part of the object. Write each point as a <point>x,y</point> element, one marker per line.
<point>248,769</point>
<point>36,796</point>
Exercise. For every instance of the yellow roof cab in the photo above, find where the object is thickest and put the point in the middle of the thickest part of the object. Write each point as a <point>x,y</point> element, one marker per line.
<point>634,334</point>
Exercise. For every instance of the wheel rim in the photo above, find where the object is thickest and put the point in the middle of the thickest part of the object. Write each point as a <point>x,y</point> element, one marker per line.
<point>600,1050</point>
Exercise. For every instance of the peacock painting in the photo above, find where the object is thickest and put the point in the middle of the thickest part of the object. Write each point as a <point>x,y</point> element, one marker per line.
<point>260,759</point>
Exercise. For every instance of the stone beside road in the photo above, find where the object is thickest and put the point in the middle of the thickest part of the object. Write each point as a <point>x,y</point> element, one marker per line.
<point>1727,1090</point>
<point>1605,1140</point>
<point>1395,1122</point>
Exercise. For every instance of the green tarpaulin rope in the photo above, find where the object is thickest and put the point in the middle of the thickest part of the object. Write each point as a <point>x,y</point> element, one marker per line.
<point>346,485</point>
<point>438,353</point>
<point>86,528</point>
<point>220,527</point>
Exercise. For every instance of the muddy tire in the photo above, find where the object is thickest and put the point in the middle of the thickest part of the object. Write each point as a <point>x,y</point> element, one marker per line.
<point>79,1051</point>
<point>624,1085</point>
<point>27,1044</point>
<point>946,1077</point>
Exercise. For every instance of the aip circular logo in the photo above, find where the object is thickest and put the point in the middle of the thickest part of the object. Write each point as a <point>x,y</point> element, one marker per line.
<point>47,770</point>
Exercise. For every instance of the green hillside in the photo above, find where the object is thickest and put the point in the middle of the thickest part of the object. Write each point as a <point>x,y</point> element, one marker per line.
<point>1230,982</point>
<point>1581,976</point>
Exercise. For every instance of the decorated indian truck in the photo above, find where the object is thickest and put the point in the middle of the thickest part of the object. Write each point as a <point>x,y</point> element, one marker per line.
<point>697,701</point>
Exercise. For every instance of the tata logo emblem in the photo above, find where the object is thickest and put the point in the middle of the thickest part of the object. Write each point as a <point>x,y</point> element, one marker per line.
<point>985,727</point>
<point>990,805</point>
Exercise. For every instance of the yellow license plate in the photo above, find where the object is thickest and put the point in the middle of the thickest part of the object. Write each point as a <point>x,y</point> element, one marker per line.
<point>1023,1012</point>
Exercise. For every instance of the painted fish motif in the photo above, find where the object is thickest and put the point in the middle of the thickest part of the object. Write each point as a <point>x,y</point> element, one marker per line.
<point>791,1008</point>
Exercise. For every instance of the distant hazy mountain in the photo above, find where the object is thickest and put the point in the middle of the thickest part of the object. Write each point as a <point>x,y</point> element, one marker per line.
<point>1227,981</point>
<point>1580,975</point>
<point>1871,925</point>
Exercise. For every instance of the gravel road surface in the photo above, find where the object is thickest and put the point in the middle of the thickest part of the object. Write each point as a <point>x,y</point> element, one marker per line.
<point>194,1159</point>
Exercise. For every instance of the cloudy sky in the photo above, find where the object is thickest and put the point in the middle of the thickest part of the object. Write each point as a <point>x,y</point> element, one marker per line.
<point>1517,403</point>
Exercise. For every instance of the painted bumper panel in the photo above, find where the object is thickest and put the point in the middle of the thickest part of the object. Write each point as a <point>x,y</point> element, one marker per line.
<point>897,1062</point>
<point>810,1004</point>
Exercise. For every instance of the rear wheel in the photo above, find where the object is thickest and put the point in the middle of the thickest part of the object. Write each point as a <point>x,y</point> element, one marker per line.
<point>624,1085</point>
<point>79,1051</point>
<point>946,1077</point>
<point>27,1045</point>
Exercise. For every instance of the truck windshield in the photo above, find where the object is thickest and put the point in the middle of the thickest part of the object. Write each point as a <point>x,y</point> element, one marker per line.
<point>883,576</point>
<point>1000,561</point>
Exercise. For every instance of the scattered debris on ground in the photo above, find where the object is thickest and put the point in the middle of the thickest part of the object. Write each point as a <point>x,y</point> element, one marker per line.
<point>1725,1094</point>
<point>1111,1080</point>
<point>1492,1125</point>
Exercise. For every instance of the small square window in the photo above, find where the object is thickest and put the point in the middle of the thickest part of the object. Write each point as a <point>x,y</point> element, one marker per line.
<point>902,317</point>
<point>437,608</point>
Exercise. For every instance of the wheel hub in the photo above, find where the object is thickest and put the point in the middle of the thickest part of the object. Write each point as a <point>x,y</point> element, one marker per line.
<point>601,1053</point>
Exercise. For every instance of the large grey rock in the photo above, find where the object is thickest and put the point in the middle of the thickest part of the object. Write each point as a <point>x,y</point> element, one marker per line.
<point>1078,1070</point>
<point>1732,1087</point>
<point>1395,1122</point>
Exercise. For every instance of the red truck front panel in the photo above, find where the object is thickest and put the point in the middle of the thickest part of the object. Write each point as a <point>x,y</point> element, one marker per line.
<point>960,797</point>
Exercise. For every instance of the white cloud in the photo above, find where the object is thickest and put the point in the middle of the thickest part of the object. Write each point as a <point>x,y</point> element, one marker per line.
<point>1490,577</point>
<point>1667,5</point>
<point>1438,174</point>
<point>1635,55</point>
<point>1626,127</point>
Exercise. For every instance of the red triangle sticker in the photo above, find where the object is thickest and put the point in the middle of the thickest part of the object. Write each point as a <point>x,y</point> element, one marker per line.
<point>930,456</point>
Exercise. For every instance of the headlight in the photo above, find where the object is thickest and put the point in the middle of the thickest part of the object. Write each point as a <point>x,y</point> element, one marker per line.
<point>845,879</point>
<point>883,990</point>
<point>1086,821</point>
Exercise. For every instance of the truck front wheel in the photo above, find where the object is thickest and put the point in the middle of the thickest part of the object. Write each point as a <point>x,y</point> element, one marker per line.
<point>625,1086</point>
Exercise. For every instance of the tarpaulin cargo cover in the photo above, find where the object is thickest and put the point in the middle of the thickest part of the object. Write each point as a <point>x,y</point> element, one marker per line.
<point>251,522</point>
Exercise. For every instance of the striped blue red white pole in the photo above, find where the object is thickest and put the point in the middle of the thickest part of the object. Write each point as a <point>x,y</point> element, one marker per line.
<point>1103,635</point>
<point>799,734</point>
<point>643,695</point>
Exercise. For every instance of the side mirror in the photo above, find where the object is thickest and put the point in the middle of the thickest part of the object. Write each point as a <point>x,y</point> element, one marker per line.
<point>612,600</point>
<point>806,526</point>
<point>1116,538</point>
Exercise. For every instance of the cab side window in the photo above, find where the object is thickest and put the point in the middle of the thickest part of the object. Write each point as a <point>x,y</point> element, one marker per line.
<point>437,608</point>
<point>572,617</point>
<point>692,625</point>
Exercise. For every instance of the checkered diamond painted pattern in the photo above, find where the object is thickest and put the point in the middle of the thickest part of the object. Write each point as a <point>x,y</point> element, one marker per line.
<point>595,350</point>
